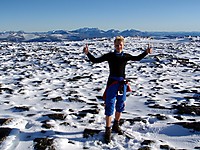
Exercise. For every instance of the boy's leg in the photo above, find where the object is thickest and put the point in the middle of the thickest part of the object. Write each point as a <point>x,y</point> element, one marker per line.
<point>116,128</point>
<point>108,121</point>
<point>120,104</point>
<point>107,135</point>
<point>109,109</point>
<point>117,116</point>
<point>111,94</point>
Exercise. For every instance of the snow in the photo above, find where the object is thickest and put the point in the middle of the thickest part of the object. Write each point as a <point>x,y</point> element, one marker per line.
<point>56,78</point>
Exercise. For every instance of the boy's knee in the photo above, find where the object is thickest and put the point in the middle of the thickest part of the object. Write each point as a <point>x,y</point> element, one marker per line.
<point>120,107</point>
<point>109,109</point>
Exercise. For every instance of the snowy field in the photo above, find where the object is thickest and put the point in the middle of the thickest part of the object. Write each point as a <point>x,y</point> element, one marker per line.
<point>50,96</point>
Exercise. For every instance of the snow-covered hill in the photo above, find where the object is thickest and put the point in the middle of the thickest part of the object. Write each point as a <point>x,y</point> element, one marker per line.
<point>50,95</point>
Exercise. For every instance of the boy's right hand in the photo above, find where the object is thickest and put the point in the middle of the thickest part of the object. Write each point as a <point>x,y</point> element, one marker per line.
<point>149,49</point>
<point>85,49</point>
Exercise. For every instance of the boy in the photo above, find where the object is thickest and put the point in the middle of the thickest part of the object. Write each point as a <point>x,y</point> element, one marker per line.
<point>115,94</point>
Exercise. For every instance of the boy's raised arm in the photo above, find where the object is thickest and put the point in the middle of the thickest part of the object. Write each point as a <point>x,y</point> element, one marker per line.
<point>149,49</point>
<point>85,49</point>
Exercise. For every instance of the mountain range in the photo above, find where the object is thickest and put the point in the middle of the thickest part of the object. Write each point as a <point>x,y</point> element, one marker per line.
<point>81,34</point>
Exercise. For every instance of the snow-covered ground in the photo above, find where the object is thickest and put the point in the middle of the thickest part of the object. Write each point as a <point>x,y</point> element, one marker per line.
<point>50,94</point>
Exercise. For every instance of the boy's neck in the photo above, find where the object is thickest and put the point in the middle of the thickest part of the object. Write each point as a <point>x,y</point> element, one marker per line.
<point>118,52</point>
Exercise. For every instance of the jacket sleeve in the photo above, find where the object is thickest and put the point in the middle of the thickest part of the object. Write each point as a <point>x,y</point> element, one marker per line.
<point>99,59</point>
<point>137,58</point>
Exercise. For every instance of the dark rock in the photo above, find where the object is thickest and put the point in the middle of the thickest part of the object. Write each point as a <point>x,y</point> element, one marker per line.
<point>57,110</point>
<point>71,142</point>
<point>159,116</point>
<point>43,131</point>
<point>184,91</point>
<point>21,108</point>
<point>43,143</point>
<point>91,121</point>
<point>56,116</point>
<point>56,99</point>
<point>144,148</point>
<point>90,132</point>
<point>71,110</point>
<point>72,92</point>
<point>92,104</point>
<point>195,96</point>
<point>76,78</point>
<point>191,110</point>
<point>190,125</point>
<point>73,99</point>
<point>156,88</point>
<point>85,147</point>
<point>147,142</point>
<point>132,121</point>
<point>4,132</point>
<point>7,90</point>
<point>30,115</point>
<point>97,89</point>
<point>197,147</point>
<point>5,121</point>
<point>165,147</point>
<point>157,106</point>
<point>91,111</point>
<point>83,113</point>
<point>191,120</point>
<point>65,124</point>
<point>94,100</point>
<point>178,117</point>
<point>148,102</point>
<point>47,126</point>
<point>36,82</point>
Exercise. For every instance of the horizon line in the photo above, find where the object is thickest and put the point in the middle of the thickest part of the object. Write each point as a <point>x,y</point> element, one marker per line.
<point>95,28</point>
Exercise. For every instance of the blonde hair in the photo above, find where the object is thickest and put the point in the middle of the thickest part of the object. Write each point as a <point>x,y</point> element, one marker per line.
<point>119,39</point>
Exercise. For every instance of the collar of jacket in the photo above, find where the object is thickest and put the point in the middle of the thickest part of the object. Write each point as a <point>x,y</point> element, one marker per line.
<point>118,54</point>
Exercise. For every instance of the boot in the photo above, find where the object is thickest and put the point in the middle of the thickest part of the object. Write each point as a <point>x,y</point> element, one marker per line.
<point>116,128</point>
<point>107,136</point>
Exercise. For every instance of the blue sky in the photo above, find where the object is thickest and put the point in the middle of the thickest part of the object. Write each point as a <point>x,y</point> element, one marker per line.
<point>143,15</point>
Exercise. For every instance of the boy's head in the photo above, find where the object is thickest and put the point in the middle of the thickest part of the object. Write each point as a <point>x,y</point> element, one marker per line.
<point>119,39</point>
<point>119,43</point>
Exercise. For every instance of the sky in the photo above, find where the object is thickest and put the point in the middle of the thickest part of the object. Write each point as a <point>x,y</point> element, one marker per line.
<point>143,15</point>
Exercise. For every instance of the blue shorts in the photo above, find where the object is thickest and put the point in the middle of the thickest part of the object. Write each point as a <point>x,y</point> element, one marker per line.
<point>114,99</point>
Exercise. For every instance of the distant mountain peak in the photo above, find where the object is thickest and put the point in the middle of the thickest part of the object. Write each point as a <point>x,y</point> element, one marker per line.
<point>80,34</point>
<point>58,32</point>
<point>86,29</point>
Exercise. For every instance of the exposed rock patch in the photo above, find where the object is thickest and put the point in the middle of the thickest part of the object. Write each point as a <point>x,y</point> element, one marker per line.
<point>90,132</point>
<point>184,109</point>
<point>4,121</point>
<point>4,132</point>
<point>44,143</point>
<point>20,108</point>
<point>190,125</point>
<point>56,116</point>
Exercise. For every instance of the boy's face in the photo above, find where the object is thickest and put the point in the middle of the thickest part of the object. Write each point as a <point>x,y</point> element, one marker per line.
<point>119,45</point>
